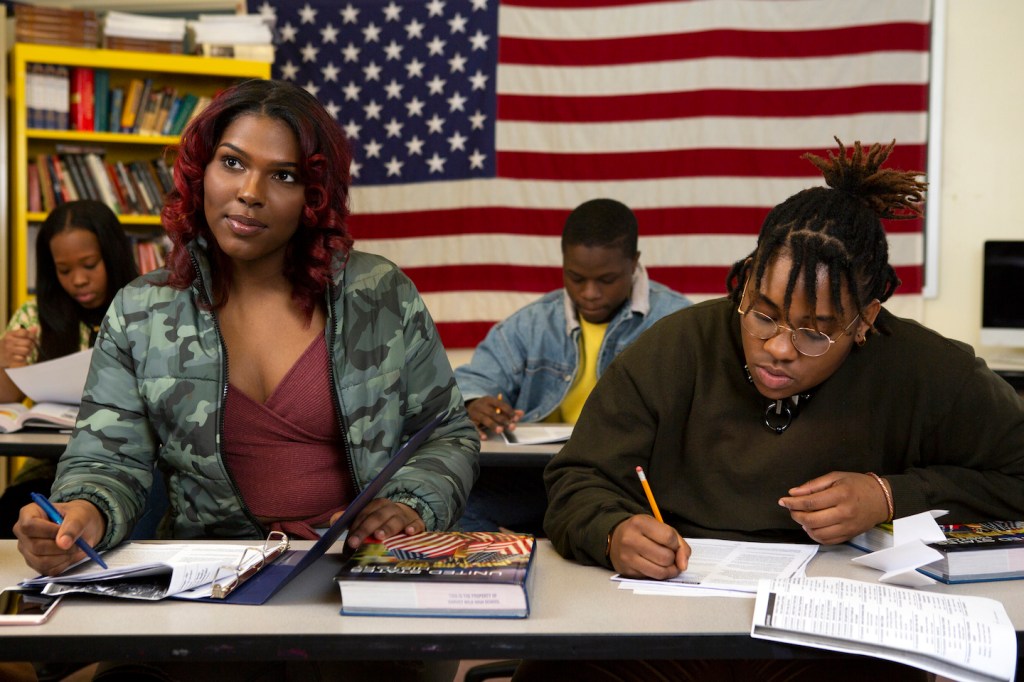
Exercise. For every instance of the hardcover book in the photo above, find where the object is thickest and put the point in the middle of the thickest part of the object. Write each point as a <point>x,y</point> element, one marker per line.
<point>992,550</point>
<point>479,574</point>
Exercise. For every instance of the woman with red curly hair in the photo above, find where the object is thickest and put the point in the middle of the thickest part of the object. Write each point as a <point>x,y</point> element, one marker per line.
<point>270,370</point>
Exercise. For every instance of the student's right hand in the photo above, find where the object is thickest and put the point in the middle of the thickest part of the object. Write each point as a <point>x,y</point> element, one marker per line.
<point>492,414</point>
<point>49,548</point>
<point>16,346</point>
<point>644,547</point>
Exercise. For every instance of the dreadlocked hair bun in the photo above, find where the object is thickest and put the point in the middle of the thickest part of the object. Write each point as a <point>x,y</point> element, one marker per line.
<point>891,194</point>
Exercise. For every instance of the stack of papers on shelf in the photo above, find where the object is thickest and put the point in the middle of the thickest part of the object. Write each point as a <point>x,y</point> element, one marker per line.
<point>724,568</point>
<point>962,638</point>
<point>230,29</point>
<point>143,26</point>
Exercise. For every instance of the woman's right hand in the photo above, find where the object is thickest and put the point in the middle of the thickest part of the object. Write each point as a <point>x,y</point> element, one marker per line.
<point>492,414</point>
<point>644,547</point>
<point>51,549</point>
<point>16,346</point>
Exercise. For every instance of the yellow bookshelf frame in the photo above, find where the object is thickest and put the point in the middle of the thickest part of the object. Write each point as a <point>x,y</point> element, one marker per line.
<point>210,73</point>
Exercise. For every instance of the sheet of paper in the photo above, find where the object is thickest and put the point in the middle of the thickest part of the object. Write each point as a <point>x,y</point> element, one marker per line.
<point>909,552</point>
<point>732,566</point>
<point>960,637</point>
<point>918,527</point>
<point>54,381</point>
<point>536,434</point>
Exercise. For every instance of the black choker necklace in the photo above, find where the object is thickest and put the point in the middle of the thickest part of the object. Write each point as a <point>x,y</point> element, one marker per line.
<point>779,414</point>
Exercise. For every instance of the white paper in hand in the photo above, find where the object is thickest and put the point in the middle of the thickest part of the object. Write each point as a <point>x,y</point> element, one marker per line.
<point>54,381</point>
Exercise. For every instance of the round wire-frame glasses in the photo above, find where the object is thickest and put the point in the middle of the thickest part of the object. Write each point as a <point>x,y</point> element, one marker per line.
<point>809,342</point>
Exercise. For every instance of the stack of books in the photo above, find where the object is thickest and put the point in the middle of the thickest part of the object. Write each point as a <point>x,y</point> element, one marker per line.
<point>143,33</point>
<point>239,36</point>
<point>54,26</point>
<point>81,172</point>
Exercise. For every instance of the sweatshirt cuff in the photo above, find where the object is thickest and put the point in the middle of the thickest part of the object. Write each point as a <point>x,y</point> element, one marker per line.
<point>907,495</point>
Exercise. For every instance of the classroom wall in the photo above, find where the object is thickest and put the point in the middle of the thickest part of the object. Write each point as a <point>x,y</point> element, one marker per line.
<point>983,110</point>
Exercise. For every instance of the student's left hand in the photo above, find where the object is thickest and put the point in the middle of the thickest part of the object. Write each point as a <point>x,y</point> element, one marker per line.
<point>837,506</point>
<point>383,518</point>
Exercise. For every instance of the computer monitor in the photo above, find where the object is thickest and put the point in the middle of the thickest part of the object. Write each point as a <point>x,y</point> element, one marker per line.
<point>1002,298</point>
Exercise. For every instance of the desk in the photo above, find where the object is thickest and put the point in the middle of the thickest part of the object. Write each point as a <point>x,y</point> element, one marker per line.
<point>577,613</point>
<point>37,443</point>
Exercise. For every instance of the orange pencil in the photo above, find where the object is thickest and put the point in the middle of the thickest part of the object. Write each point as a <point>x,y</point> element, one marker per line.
<point>650,495</point>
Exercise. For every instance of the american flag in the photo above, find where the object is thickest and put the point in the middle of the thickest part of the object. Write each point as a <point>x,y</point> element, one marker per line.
<point>432,545</point>
<point>477,126</point>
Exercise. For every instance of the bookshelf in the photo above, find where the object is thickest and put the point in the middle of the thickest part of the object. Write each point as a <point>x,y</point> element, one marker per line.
<point>192,74</point>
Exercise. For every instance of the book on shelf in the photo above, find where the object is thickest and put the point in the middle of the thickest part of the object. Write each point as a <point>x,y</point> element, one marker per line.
<point>144,45</point>
<point>137,91</point>
<point>48,197</point>
<point>538,434</point>
<point>101,100</point>
<point>148,111</point>
<point>55,26</point>
<point>958,637</point>
<point>17,416</point>
<point>82,105</point>
<point>452,573</point>
<point>971,552</point>
<point>35,192</point>
<point>115,110</point>
<point>47,94</point>
<point>59,171</point>
<point>182,114</point>
<point>78,177</point>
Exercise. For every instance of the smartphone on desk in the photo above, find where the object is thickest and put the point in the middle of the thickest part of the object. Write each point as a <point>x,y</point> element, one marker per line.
<point>19,606</point>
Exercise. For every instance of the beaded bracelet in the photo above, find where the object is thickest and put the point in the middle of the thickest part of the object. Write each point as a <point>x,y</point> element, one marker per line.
<point>888,495</point>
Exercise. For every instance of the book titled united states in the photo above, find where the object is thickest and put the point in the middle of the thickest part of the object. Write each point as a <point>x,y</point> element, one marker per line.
<point>971,552</point>
<point>479,574</point>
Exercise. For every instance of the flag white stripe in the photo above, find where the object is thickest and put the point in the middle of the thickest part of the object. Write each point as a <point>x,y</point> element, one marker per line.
<point>719,132</point>
<point>567,194</point>
<point>728,73</point>
<point>660,18</point>
<point>667,251</point>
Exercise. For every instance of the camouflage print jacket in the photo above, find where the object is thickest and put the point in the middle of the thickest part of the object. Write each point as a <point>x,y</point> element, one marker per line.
<point>159,377</point>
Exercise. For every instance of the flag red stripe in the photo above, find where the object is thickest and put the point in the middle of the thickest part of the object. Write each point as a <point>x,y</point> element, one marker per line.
<point>689,279</point>
<point>909,37</point>
<point>702,103</point>
<point>681,220</point>
<point>671,163</point>
<point>463,334</point>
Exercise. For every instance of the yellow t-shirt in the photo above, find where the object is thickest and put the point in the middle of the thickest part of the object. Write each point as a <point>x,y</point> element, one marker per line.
<point>586,377</point>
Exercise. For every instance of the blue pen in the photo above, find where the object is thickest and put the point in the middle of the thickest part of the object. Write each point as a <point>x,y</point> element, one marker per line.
<point>55,516</point>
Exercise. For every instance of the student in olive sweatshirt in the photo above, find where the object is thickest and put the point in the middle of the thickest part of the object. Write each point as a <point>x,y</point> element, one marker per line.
<point>795,409</point>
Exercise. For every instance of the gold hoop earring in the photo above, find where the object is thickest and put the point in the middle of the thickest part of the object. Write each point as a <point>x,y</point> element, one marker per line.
<point>861,340</point>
